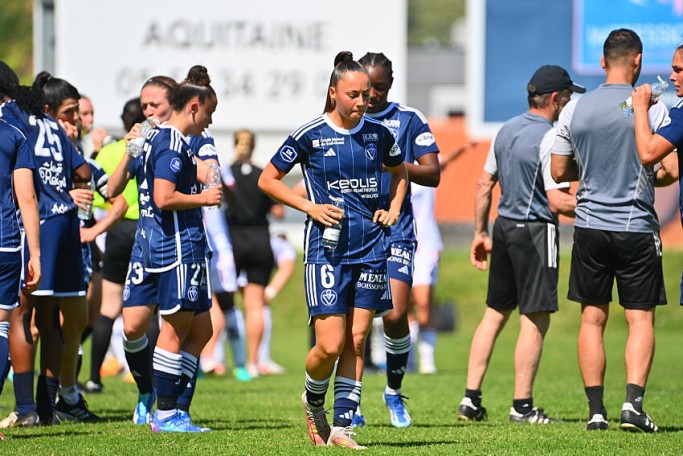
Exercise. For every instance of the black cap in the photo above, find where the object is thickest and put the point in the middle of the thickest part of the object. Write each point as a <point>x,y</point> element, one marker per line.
<point>552,78</point>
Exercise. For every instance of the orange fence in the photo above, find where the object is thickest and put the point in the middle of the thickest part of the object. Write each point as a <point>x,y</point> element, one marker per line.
<point>455,194</point>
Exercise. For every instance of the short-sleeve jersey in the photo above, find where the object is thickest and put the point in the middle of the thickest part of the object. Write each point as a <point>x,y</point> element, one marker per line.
<point>108,158</point>
<point>204,146</point>
<point>55,159</point>
<point>672,131</point>
<point>616,192</point>
<point>515,159</point>
<point>168,237</point>
<point>413,135</point>
<point>15,153</point>
<point>339,163</point>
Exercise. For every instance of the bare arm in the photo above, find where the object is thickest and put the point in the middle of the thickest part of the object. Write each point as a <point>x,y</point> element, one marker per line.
<point>481,244</point>
<point>118,209</point>
<point>562,201</point>
<point>271,184</point>
<point>563,168</point>
<point>427,172</point>
<point>397,192</point>
<point>167,198</point>
<point>285,269</point>
<point>651,148</point>
<point>28,205</point>
<point>455,154</point>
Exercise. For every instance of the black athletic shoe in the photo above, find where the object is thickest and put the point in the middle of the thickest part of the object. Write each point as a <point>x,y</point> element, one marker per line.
<point>469,412</point>
<point>598,422</point>
<point>76,412</point>
<point>534,416</point>
<point>631,420</point>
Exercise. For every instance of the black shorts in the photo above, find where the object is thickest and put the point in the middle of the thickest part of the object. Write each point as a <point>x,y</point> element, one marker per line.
<point>118,248</point>
<point>524,262</point>
<point>635,259</point>
<point>253,254</point>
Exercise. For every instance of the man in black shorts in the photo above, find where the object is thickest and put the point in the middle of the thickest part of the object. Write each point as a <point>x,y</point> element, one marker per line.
<point>524,248</point>
<point>616,229</point>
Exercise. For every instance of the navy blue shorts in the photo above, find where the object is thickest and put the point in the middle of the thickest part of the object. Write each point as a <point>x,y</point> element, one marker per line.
<point>185,287</point>
<point>334,289</point>
<point>400,262</point>
<point>141,287</point>
<point>10,279</point>
<point>61,258</point>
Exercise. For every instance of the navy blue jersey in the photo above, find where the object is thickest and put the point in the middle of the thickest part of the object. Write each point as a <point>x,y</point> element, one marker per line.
<point>55,158</point>
<point>413,136</point>
<point>167,237</point>
<point>672,131</point>
<point>204,146</point>
<point>339,163</point>
<point>15,153</point>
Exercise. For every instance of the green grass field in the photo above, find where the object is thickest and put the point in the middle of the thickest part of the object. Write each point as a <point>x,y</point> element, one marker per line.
<point>265,416</point>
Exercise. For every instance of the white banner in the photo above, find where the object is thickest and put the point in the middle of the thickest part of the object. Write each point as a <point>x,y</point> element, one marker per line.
<point>269,61</point>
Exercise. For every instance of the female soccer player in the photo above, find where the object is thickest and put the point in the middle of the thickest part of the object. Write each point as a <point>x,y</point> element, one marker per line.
<point>413,136</point>
<point>16,188</point>
<point>175,265</point>
<point>62,288</point>
<point>342,153</point>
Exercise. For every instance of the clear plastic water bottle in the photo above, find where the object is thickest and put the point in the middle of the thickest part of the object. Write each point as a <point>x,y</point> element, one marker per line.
<point>86,214</point>
<point>135,146</point>
<point>213,179</point>
<point>657,89</point>
<point>331,233</point>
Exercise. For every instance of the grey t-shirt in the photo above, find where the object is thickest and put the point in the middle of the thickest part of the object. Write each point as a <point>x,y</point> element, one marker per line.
<point>616,192</point>
<point>515,159</point>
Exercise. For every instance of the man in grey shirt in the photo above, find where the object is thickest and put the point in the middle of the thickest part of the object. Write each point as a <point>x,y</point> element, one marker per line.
<point>524,248</point>
<point>616,229</point>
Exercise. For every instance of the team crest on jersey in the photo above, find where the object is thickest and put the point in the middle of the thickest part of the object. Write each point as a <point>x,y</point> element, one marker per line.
<point>288,154</point>
<point>176,165</point>
<point>371,151</point>
<point>328,298</point>
<point>424,139</point>
<point>193,293</point>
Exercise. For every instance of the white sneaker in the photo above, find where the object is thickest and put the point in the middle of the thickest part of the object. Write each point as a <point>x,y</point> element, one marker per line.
<point>270,367</point>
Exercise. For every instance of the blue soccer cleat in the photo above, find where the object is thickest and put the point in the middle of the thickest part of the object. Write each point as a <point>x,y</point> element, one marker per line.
<point>143,411</point>
<point>174,423</point>
<point>398,413</point>
<point>184,415</point>
<point>358,421</point>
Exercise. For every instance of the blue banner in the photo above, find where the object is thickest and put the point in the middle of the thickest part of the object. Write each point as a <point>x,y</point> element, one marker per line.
<point>659,23</point>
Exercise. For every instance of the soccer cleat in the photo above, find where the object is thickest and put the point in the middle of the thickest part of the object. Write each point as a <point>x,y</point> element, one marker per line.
<point>174,423</point>
<point>598,422</point>
<point>427,369</point>
<point>316,418</point>
<point>631,420</point>
<point>398,414</point>
<point>74,412</point>
<point>242,374</point>
<point>534,416</point>
<point>343,437</point>
<point>143,411</point>
<point>93,387</point>
<point>467,411</point>
<point>252,368</point>
<point>184,415</point>
<point>358,420</point>
<point>15,420</point>
<point>110,367</point>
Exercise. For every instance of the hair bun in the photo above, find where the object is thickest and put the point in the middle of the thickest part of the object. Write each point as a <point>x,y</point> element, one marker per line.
<point>198,75</point>
<point>343,56</point>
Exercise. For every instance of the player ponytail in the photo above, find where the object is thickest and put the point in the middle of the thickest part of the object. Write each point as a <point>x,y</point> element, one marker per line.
<point>196,84</point>
<point>54,90</point>
<point>343,63</point>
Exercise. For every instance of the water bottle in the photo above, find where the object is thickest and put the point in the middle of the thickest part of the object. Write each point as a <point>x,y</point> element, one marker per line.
<point>657,89</point>
<point>86,214</point>
<point>331,233</point>
<point>213,179</point>
<point>135,146</point>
